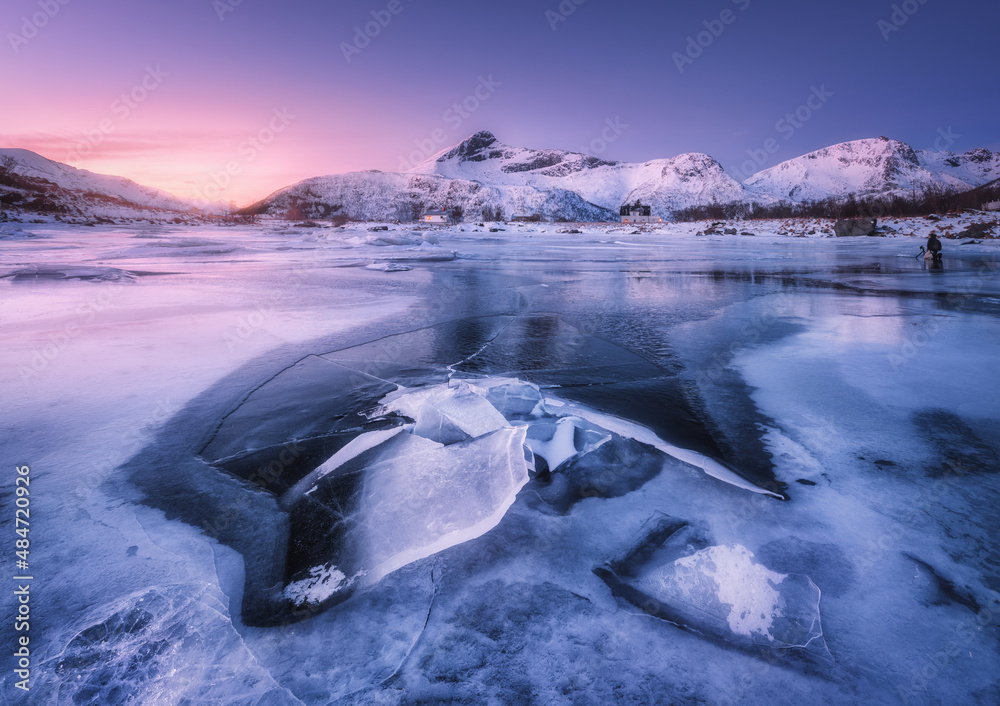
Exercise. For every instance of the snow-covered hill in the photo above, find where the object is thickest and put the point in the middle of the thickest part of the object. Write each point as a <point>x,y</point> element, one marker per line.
<point>382,196</point>
<point>973,168</point>
<point>32,165</point>
<point>874,167</point>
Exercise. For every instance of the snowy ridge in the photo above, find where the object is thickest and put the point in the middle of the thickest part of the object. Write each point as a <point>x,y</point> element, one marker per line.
<point>973,168</point>
<point>33,165</point>
<point>483,172</point>
<point>666,184</point>
<point>380,196</point>
<point>874,167</point>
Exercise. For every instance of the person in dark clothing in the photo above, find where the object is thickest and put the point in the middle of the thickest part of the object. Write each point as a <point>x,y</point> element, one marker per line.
<point>934,247</point>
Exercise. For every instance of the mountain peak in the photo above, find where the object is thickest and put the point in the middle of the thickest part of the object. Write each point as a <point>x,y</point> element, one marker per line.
<point>484,136</point>
<point>471,147</point>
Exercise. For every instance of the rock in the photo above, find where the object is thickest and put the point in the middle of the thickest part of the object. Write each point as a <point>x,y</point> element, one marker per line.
<point>375,229</point>
<point>730,231</point>
<point>855,226</point>
<point>977,230</point>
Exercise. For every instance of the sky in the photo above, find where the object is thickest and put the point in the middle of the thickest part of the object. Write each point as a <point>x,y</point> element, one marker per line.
<point>233,99</point>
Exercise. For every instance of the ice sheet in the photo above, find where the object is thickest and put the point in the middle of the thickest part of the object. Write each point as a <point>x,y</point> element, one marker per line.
<point>868,383</point>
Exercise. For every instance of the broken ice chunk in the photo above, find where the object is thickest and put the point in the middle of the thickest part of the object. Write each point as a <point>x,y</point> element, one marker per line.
<point>646,436</point>
<point>607,466</point>
<point>388,267</point>
<point>354,450</point>
<point>401,500</point>
<point>553,442</point>
<point>721,590</point>
<point>512,397</point>
<point>414,506</point>
<point>446,414</point>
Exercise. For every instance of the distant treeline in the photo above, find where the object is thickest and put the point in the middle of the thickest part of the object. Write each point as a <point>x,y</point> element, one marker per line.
<point>923,204</point>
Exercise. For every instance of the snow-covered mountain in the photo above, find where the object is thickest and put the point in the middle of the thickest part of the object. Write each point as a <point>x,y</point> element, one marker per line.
<point>33,165</point>
<point>481,172</point>
<point>665,184</point>
<point>380,196</point>
<point>973,168</point>
<point>874,167</point>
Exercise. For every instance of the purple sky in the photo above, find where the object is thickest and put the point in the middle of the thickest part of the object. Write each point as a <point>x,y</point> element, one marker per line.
<point>232,99</point>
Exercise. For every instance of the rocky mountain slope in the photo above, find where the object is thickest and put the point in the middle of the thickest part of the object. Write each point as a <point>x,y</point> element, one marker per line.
<point>483,172</point>
<point>665,184</point>
<point>30,181</point>
<point>874,167</point>
<point>382,196</point>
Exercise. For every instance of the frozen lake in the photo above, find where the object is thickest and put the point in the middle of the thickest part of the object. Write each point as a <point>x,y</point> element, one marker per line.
<point>281,465</point>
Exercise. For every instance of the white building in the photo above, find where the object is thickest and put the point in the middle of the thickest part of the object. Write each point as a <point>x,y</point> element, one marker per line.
<point>637,213</point>
<point>992,206</point>
<point>435,217</point>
